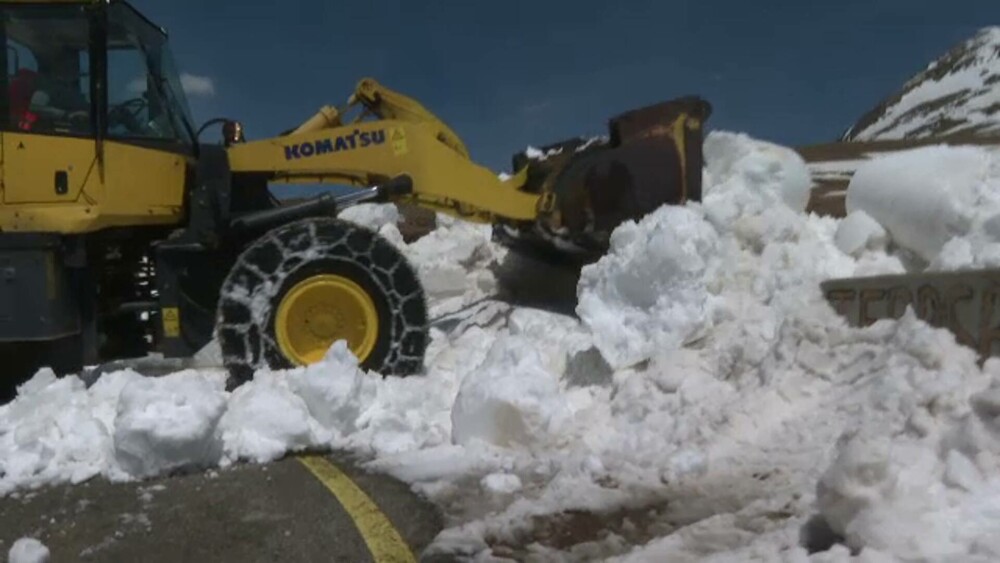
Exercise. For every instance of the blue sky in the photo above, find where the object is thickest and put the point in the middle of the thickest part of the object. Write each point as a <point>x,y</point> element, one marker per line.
<point>510,73</point>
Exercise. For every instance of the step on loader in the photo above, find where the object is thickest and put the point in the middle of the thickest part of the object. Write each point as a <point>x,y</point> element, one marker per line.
<point>123,234</point>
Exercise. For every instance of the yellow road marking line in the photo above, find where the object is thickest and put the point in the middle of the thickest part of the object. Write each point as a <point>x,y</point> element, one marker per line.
<point>383,540</point>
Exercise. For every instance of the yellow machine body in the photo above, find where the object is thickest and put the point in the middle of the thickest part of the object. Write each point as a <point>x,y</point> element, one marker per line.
<point>120,230</point>
<point>404,138</point>
<point>130,186</point>
<point>112,184</point>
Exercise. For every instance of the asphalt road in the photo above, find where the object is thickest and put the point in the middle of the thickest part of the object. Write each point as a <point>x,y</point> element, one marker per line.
<point>310,509</point>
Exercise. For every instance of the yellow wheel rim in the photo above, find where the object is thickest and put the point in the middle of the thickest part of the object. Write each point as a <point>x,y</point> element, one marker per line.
<point>321,310</point>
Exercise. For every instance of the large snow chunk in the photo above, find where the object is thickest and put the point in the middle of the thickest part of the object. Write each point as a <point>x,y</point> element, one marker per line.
<point>265,419</point>
<point>28,550</point>
<point>648,292</point>
<point>859,232</point>
<point>511,400</point>
<point>169,423</point>
<point>746,176</point>
<point>335,390</point>
<point>925,197</point>
<point>51,432</point>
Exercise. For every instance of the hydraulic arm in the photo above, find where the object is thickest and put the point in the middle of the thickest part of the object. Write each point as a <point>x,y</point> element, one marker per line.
<point>392,136</point>
<point>568,201</point>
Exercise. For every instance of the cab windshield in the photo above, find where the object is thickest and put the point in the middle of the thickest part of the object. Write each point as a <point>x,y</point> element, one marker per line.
<point>145,96</point>
<point>48,80</point>
<point>53,68</point>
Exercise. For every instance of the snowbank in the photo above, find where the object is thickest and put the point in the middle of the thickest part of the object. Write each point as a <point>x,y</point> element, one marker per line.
<point>724,404</point>
<point>168,423</point>
<point>334,389</point>
<point>127,426</point>
<point>266,419</point>
<point>660,284</point>
<point>454,263</point>
<point>56,430</point>
<point>927,492</point>
<point>513,401</point>
<point>941,203</point>
<point>649,291</point>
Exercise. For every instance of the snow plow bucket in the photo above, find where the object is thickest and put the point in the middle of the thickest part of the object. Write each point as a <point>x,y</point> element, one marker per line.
<point>652,157</point>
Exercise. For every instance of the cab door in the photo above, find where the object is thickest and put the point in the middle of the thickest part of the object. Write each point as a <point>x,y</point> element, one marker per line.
<point>146,148</point>
<point>48,148</point>
<point>45,169</point>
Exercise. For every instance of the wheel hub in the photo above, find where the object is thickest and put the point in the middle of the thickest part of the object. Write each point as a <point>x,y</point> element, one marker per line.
<point>325,322</point>
<point>321,310</point>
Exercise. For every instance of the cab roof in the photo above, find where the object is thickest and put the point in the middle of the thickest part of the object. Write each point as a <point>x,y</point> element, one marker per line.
<point>85,2</point>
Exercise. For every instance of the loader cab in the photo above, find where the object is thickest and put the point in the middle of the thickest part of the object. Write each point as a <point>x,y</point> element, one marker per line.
<point>96,69</point>
<point>92,115</point>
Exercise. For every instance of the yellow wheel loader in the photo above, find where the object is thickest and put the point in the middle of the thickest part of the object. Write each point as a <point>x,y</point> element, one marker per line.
<point>122,233</point>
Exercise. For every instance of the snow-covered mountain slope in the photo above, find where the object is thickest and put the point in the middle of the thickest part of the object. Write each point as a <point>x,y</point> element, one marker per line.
<point>958,93</point>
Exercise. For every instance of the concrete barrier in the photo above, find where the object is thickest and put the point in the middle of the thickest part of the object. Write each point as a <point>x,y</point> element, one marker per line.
<point>967,303</point>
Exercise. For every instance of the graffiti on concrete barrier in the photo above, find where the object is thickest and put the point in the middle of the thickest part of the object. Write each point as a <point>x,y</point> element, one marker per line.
<point>966,303</point>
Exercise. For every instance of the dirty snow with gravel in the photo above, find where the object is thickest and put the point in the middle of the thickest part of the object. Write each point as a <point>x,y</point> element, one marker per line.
<point>707,405</point>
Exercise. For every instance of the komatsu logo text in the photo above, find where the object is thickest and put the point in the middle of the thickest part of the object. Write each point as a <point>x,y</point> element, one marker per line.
<point>357,140</point>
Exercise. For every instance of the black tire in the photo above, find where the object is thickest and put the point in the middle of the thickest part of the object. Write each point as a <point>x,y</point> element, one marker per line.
<point>273,264</point>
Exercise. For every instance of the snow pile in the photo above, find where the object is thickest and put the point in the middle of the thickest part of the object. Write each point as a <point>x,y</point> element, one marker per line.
<point>826,383</point>
<point>656,287</point>
<point>941,203</point>
<point>718,384</point>
<point>453,263</point>
<point>128,426</point>
<point>266,419</point>
<point>746,176</point>
<point>50,434</point>
<point>649,291</point>
<point>334,390</point>
<point>958,93</point>
<point>928,492</point>
<point>514,401</point>
<point>168,423</point>
<point>28,550</point>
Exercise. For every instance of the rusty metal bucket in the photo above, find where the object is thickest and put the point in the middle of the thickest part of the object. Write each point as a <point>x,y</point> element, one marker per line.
<point>652,157</point>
